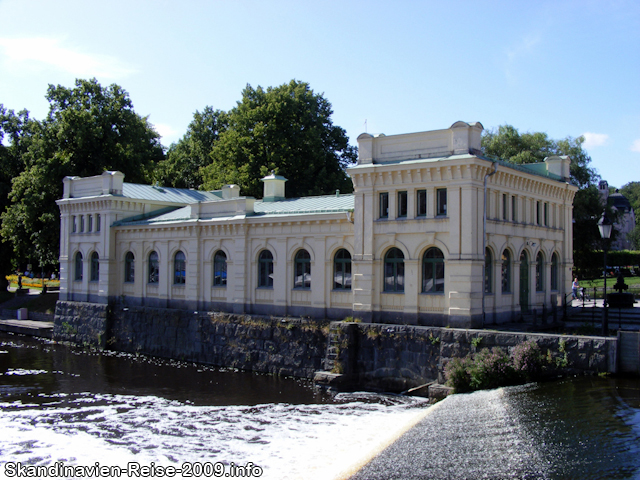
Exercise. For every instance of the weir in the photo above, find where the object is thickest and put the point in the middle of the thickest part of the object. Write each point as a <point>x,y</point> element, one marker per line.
<point>350,355</point>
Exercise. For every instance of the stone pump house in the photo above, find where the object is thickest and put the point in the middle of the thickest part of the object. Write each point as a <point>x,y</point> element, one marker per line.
<point>434,234</point>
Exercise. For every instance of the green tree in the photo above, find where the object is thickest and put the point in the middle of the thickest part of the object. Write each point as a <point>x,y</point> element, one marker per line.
<point>286,129</point>
<point>631,191</point>
<point>89,129</point>
<point>507,143</point>
<point>185,159</point>
<point>15,134</point>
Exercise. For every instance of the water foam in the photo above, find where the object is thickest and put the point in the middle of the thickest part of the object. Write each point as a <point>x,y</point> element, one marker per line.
<point>288,441</point>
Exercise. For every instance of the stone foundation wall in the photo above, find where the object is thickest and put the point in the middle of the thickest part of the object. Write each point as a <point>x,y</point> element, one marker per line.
<point>279,346</point>
<point>81,323</point>
<point>372,356</point>
<point>399,357</point>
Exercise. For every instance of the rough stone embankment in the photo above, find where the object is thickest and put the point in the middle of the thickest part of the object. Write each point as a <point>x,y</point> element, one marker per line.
<point>292,347</point>
<point>355,355</point>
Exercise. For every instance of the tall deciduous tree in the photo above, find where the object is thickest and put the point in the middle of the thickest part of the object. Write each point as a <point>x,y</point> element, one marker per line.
<point>89,129</point>
<point>507,143</point>
<point>286,129</point>
<point>631,191</point>
<point>15,131</point>
<point>185,159</point>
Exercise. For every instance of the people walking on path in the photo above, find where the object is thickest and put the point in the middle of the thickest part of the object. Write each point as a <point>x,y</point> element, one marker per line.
<point>574,288</point>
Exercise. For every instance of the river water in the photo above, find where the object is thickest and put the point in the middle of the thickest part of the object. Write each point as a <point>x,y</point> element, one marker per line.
<point>63,407</point>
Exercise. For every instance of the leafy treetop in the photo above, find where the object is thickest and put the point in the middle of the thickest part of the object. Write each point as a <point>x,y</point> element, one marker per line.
<point>89,129</point>
<point>185,159</point>
<point>286,129</point>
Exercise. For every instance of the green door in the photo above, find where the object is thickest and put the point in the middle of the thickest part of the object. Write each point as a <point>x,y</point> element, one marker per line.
<point>524,282</point>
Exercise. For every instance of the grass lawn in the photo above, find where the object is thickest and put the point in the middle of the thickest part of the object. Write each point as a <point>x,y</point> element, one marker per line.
<point>15,285</point>
<point>632,282</point>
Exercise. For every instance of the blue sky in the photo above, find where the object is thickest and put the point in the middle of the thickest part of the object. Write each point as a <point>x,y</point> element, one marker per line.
<point>567,68</point>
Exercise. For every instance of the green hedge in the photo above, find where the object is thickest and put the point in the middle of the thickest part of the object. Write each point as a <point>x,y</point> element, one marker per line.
<point>590,264</point>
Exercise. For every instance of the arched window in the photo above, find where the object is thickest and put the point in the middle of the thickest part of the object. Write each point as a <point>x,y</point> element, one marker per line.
<point>179,268</point>
<point>433,271</point>
<point>488,271</point>
<point>154,268</point>
<point>506,272</point>
<point>394,271</point>
<point>342,270</point>
<point>554,271</point>
<point>78,267</point>
<point>265,269</point>
<point>95,267</point>
<point>539,272</point>
<point>220,269</point>
<point>129,268</point>
<point>302,270</point>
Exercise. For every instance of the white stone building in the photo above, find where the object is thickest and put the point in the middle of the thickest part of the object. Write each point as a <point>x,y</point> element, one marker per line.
<point>408,246</point>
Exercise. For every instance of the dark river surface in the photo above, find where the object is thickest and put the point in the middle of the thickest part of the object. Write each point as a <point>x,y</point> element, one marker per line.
<point>63,407</point>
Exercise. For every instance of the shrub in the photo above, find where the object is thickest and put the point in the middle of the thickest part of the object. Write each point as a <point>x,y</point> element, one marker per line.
<point>457,374</point>
<point>527,360</point>
<point>491,369</point>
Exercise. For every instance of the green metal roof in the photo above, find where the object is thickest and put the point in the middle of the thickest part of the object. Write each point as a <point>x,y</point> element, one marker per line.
<point>321,204</point>
<point>166,194</point>
<point>290,206</point>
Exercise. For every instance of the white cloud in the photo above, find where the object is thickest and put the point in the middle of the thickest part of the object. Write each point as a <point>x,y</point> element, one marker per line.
<point>165,130</point>
<point>635,146</point>
<point>38,52</point>
<point>595,139</point>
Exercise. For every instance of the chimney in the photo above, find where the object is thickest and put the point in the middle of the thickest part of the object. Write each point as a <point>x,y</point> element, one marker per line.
<point>112,183</point>
<point>273,188</point>
<point>559,166</point>
<point>230,191</point>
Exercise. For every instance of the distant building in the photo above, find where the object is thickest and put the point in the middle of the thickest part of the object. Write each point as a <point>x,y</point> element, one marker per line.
<point>625,216</point>
<point>411,245</point>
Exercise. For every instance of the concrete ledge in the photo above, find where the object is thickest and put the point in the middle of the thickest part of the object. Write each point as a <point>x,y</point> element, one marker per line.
<point>28,327</point>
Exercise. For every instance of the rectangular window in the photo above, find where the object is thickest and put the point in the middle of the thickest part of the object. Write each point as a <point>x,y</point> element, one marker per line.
<point>441,195</point>
<point>90,227</point>
<point>97,222</point>
<point>81,223</point>
<point>514,209</point>
<point>402,204</point>
<point>538,216</point>
<point>384,205</point>
<point>421,206</point>
<point>546,214</point>
<point>73,224</point>
<point>505,205</point>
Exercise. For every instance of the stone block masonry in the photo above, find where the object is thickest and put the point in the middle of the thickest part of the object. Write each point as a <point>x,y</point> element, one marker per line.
<point>384,357</point>
<point>399,357</point>
<point>81,323</point>
<point>291,347</point>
